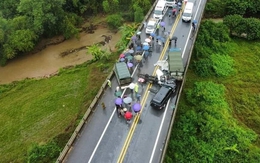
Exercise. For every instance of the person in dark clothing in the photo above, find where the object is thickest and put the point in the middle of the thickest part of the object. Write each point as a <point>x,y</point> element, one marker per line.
<point>193,26</point>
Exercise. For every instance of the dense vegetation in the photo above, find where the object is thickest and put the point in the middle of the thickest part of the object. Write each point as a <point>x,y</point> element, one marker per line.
<point>218,113</point>
<point>24,22</point>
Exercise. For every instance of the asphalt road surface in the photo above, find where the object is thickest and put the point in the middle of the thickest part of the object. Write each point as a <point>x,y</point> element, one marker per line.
<point>106,138</point>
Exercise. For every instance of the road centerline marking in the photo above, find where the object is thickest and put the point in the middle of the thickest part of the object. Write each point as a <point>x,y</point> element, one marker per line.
<point>144,99</point>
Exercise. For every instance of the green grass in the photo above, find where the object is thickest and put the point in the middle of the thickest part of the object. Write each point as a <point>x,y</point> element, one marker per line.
<point>242,93</point>
<point>38,111</point>
<point>243,88</point>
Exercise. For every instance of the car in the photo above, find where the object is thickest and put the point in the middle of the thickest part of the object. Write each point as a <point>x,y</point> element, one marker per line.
<point>161,98</point>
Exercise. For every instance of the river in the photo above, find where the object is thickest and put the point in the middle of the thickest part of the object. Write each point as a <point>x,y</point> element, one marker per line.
<point>49,60</point>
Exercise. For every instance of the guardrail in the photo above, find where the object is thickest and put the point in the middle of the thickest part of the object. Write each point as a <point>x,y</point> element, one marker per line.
<point>180,91</point>
<point>95,100</point>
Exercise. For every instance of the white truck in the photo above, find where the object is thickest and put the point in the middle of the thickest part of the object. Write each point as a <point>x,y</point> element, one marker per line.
<point>151,26</point>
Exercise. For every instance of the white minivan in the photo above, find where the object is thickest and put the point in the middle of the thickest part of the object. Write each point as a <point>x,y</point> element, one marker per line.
<point>160,9</point>
<point>187,13</point>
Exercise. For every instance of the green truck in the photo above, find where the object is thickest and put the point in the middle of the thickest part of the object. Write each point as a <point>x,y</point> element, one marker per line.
<point>122,73</point>
<point>175,63</point>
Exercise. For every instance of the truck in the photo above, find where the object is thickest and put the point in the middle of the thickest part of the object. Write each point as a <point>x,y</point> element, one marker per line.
<point>122,73</point>
<point>151,26</point>
<point>175,64</point>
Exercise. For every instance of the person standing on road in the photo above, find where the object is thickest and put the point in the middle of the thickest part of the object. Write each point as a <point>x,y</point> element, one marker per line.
<point>103,105</point>
<point>128,116</point>
<point>193,26</point>
<point>109,83</point>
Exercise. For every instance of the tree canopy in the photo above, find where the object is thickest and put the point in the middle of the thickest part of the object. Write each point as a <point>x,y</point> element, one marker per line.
<point>24,22</point>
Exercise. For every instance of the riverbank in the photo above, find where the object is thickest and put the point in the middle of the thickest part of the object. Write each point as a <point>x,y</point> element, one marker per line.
<point>49,60</point>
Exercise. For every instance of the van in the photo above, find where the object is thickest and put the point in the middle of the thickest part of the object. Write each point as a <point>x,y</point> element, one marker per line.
<point>161,98</point>
<point>151,26</point>
<point>122,73</point>
<point>187,13</point>
<point>171,3</point>
<point>160,9</point>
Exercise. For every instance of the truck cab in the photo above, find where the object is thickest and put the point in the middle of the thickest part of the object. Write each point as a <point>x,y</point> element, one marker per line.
<point>151,26</point>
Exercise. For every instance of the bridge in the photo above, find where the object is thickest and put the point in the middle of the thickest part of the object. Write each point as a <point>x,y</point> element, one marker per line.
<point>103,137</point>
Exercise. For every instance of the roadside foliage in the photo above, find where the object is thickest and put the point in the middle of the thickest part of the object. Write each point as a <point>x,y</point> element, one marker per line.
<point>218,113</point>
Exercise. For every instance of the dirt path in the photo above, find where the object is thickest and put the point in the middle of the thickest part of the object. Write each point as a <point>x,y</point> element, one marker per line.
<point>50,60</point>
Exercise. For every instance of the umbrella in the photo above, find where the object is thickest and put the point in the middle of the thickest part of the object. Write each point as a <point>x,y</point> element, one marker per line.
<point>118,93</point>
<point>122,59</point>
<point>145,43</point>
<point>158,37</point>
<point>121,55</point>
<point>162,24</point>
<point>146,47</point>
<point>195,21</point>
<point>133,38</point>
<point>147,40</point>
<point>174,38</point>
<point>136,107</point>
<point>132,86</point>
<point>139,32</point>
<point>129,64</point>
<point>131,51</point>
<point>138,57</point>
<point>127,100</point>
<point>174,10</point>
<point>129,57</point>
<point>119,101</point>
<point>138,48</point>
<point>152,34</point>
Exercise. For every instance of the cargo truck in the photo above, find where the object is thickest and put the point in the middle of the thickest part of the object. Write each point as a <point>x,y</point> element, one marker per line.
<point>175,63</point>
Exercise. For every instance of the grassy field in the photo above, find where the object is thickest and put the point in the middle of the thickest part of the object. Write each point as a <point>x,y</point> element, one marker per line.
<point>242,93</point>
<point>243,87</point>
<point>37,111</point>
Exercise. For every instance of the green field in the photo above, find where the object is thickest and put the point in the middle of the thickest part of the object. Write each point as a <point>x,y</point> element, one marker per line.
<point>218,117</point>
<point>39,111</point>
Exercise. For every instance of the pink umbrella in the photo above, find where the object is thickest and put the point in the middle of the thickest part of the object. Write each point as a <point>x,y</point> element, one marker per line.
<point>122,55</point>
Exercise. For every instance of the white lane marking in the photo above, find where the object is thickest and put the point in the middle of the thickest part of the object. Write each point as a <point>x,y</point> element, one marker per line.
<point>104,131</point>
<point>159,132</point>
<point>190,31</point>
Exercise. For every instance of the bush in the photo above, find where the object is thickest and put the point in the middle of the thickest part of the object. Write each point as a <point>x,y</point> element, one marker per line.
<point>43,153</point>
<point>222,65</point>
<point>215,9</point>
<point>203,67</point>
<point>114,21</point>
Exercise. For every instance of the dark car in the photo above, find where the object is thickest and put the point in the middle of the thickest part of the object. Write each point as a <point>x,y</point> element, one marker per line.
<point>160,99</point>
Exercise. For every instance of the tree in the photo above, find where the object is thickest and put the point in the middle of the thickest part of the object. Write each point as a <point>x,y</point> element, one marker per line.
<point>19,41</point>
<point>44,15</point>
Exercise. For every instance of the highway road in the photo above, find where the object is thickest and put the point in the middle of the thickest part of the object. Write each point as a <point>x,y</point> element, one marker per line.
<point>106,138</point>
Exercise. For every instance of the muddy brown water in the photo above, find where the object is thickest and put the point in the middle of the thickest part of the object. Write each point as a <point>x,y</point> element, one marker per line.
<point>49,60</point>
